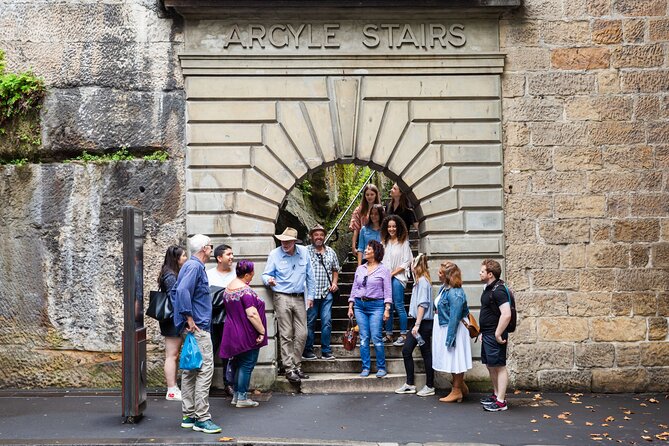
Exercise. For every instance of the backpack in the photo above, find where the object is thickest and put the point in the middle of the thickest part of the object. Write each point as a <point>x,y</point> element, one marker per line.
<point>514,314</point>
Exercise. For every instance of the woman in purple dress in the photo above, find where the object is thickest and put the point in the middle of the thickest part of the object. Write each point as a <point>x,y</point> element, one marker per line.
<point>245,331</point>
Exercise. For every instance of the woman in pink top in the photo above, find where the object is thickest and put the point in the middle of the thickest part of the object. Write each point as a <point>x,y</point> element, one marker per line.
<point>360,216</point>
<point>245,331</point>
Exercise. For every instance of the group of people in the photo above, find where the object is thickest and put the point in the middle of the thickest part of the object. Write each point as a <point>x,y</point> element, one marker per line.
<point>304,281</point>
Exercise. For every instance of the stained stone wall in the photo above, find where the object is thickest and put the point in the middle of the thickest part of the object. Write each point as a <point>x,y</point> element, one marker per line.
<point>586,133</point>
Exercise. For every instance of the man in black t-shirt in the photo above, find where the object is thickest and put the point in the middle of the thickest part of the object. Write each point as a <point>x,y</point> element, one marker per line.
<point>493,320</point>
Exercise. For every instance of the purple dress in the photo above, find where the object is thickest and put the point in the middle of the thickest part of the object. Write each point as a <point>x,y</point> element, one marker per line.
<point>239,335</point>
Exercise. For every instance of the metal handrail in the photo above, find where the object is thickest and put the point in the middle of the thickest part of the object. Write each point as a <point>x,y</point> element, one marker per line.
<point>334,229</point>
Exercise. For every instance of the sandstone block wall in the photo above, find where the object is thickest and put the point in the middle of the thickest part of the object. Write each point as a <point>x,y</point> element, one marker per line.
<point>586,123</point>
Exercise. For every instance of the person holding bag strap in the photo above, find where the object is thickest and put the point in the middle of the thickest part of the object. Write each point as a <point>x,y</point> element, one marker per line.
<point>323,262</point>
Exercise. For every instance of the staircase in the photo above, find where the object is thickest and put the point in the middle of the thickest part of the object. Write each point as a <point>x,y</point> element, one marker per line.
<point>341,375</point>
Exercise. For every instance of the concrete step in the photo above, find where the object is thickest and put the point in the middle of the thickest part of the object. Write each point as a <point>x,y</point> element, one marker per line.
<point>337,335</point>
<point>352,383</point>
<point>354,365</point>
<point>340,352</point>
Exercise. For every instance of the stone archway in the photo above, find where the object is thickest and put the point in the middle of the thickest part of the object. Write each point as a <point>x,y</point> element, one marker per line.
<point>258,123</point>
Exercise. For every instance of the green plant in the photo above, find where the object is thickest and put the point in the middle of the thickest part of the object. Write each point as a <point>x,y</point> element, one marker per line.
<point>18,162</point>
<point>19,92</point>
<point>158,155</point>
<point>120,155</point>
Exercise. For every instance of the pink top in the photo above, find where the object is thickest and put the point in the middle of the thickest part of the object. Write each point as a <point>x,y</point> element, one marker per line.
<point>239,335</point>
<point>358,220</point>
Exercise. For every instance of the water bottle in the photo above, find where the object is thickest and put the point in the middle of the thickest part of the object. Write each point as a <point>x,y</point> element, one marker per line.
<point>419,340</point>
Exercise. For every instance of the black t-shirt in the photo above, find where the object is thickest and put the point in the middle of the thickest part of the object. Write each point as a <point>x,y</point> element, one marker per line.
<point>406,214</point>
<point>494,296</point>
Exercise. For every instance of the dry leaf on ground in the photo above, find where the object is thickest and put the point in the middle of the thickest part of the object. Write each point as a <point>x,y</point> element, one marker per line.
<point>224,439</point>
<point>547,416</point>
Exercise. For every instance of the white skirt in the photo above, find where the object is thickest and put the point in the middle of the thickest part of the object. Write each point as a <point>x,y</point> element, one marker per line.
<point>457,359</point>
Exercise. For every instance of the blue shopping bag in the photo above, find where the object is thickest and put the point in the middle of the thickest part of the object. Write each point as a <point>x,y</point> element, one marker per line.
<point>191,358</point>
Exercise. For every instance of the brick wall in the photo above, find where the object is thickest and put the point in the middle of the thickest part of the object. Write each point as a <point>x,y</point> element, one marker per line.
<point>586,121</point>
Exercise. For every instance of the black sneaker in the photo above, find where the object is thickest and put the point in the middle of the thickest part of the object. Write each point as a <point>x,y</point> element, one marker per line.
<point>292,376</point>
<point>301,374</point>
<point>497,406</point>
<point>328,356</point>
<point>309,356</point>
<point>489,399</point>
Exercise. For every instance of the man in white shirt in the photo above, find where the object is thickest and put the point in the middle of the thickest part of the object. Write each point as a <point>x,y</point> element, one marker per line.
<point>221,275</point>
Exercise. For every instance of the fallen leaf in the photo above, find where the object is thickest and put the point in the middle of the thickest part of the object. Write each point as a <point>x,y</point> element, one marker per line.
<point>588,407</point>
<point>224,439</point>
<point>537,396</point>
<point>647,437</point>
<point>516,392</point>
<point>587,423</point>
<point>567,436</point>
<point>653,400</point>
<point>628,412</point>
<point>605,424</point>
<point>596,438</point>
<point>626,418</point>
<point>663,426</point>
<point>535,430</point>
<point>568,421</point>
<point>643,404</point>
<point>533,420</point>
<point>562,416</point>
<point>610,419</point>
<point>546,416</point>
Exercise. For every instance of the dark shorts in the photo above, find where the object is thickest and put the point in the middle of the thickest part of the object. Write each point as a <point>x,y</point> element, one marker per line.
<point>167,328</point>
<point>492,353</point>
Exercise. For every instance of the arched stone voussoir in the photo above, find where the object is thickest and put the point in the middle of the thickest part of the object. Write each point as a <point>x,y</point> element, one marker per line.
<point>252,205</point>
<point>433,183</point>
<point>413,141</point>
<point>260,184</point>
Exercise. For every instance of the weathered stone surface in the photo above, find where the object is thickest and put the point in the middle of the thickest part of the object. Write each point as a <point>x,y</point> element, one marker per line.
<point>570,206</point>
<point>607,32</point>
<point>98,119</point>
<point>600,230</point>
<point>623,329</point>
<point>532,109</point>
<point>643,279</point>
<point>639,256</point>
<point>558,182</point>
<point>637,56</point>
<point>563,329</point>
<point>599,182</point>
<point>564,231</point>
<point>658,30</point>
<point>565,33</point>
<point>654,354</point>
<point>526,331</point>
<point>657,329</point>
<point>580,58</point>
<point>626,157</point>
<point>658,377</point>
<point>527,59</point>
<point>544,356</point>
<point>636,303</point>
<point>516,33</point>
<point>647,108</point>
<point>561,84</point>
<point>657,133</point>
<point>607,255</point>
<point>565,380</point>
<point>617,133</point>
<point>628,355</point>
<point>645,81</point>
<point>557,133</point>
<point>634,30</point>
<point>660,255</point>
<point>597,280</point>
<point>577,158</point>
<point>635,8</point>
<point>594,355</point>
<point>555,279</point>
<point>599,109</point>
<point>537,304</point>
<point>589,304</point>
<point>636,230</point>
<point>650,205</point>
<point>619,380</point>
<point>536,256</point>
<point>608,82</point>
<point>528,158</point>
<point>572,256</point>
<point>529,205</point>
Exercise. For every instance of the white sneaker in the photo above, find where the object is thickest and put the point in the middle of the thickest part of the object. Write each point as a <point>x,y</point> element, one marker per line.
<point>173,394</point>
<point>406,388</point>
<point>426,391</point>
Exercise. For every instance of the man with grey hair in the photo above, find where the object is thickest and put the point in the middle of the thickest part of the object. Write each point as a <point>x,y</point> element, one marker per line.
<point>192,312</point>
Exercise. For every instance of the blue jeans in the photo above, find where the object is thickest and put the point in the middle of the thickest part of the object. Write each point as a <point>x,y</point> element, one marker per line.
<point>369,316</point>
<point>244,364</point>
<point>322,308</point>
<point>398,305</point>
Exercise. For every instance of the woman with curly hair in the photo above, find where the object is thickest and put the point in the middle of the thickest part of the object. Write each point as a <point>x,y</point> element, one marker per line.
<point>397,259</point>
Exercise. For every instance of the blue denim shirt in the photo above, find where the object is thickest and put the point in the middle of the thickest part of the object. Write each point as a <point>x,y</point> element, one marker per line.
<point>452,306</point>
<point>293,273</point>
<point>190,296</point>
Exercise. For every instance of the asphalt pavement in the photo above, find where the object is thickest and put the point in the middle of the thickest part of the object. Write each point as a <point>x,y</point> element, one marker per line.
<point>94,417</point>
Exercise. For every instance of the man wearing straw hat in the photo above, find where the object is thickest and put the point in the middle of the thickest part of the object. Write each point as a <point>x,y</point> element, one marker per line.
<point>291,277</point>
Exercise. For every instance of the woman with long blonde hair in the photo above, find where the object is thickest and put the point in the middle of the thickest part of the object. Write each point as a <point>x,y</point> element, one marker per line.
<point>451,347</point>
<point>421,308</point>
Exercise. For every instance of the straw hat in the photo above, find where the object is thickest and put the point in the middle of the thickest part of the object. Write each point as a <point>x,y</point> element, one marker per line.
<point>287,235</point>
<point>317,227</point>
